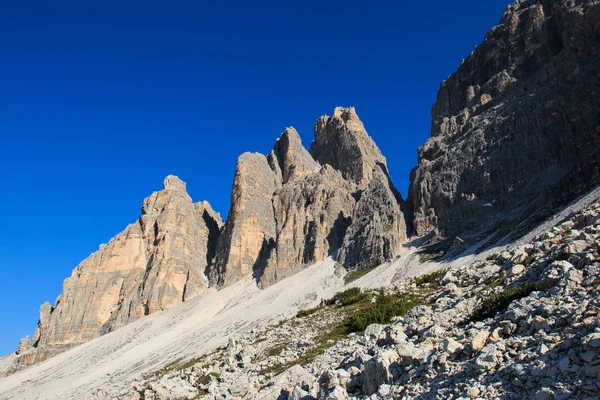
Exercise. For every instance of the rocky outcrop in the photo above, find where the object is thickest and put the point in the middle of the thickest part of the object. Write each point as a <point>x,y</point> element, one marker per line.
<point>157,262</point>
<point>289,159</point>
<point>342,142</point>
<point>516,126</point>
<point>378,228</point>
<point>249,232</point>
<point>289,209</point>
<point>521,323</point>
<point>311,216</point>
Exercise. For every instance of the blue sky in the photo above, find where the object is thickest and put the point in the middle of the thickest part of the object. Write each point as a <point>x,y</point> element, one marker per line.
<point>100,100</point>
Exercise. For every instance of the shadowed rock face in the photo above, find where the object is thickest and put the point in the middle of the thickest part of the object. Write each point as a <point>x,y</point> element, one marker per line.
<point>517,122</point>
<point>288,210</point>
<point>306,212</point>
<point>342,142</point>
<point>157,262</point>
<point>379,229</point>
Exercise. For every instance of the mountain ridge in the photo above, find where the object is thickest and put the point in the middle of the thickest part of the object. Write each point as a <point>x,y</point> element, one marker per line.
<point>514,138</point>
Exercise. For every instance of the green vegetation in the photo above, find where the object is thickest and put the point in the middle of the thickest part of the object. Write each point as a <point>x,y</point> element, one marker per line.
<point>306,313</point>
<point>491,305</point>
<point>173,366</point>
<point>342,299</point>
<point>347,297</point>
<point>496,282</point>
<point>425,257</point>
<point>179,365</point>
<point>385,307</point>
<point>275,350</point>
<point>356,274</point>
<point>435,251</point>
<point>322,342</point>
<point>432,280</point>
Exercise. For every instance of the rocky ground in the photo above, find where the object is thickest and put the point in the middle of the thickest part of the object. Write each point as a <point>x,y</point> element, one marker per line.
<point>522,324</point>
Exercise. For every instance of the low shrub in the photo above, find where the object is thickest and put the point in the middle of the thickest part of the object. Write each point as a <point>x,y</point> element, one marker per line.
<point>425,257</point>
<point>495,303</point>
<point>275,350</point>
<point>385,307</point>
<point>347,297</point>
<point>356,274</point>
<point>306,313</point>
<point>432,280</point>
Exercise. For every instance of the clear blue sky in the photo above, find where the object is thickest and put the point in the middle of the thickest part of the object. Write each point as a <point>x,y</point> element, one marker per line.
<point>101,99</point>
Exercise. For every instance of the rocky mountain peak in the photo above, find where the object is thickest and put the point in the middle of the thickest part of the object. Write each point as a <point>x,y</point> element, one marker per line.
<point>173,183</point>
<point>515,128</point>
<point>155,263</point>
<point>250,226</point>
<point>287,211</point>
<point>289,159</point>
<point>342,142</point>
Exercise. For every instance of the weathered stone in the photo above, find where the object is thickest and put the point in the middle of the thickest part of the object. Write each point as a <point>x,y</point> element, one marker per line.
<point>378,371</point>
<point>289,159</point>
<point>378,228</point>
<point>289,211</point>
<point>489,357</point>
<point>156,263</point>
<point>533,141</point>
<point>249,234</point>
<point>311,215</point>
<point>342,142</point>
<point>451,346</point>
<point>373,331</point>
<point>479,340</point>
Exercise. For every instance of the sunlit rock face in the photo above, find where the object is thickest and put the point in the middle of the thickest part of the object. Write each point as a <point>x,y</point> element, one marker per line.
<point>288,210</point>
<point>293,207</point>
<point>155,263</point>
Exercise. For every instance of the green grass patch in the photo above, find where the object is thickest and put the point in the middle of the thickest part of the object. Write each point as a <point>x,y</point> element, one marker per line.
<point>496,282</point>
<point>306,313</point>
<point>275,350</point>
<point>432,280</point>
<point>322,342</point>
<point>385,307</point>
<point>359,313</point>
<point>425,257</point>
<point>348,297</point>
<point>179,365</point>
<point>491,305</point>
<point>356,274</point>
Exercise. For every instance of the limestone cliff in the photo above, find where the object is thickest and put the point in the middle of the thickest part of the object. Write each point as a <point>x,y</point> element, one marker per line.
<point>516,129</point>
<point>155,263</point>
<point>250,226</point>
<point>293,207</point>
<point>342,142</point>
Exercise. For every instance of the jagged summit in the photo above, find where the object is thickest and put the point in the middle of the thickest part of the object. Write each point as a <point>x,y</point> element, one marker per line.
<point>173,182</point>
<point>293,208</point>
<point>155,263</point>
<point>514,135</point>
<point>289,159</point>
<point>342,142</point>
